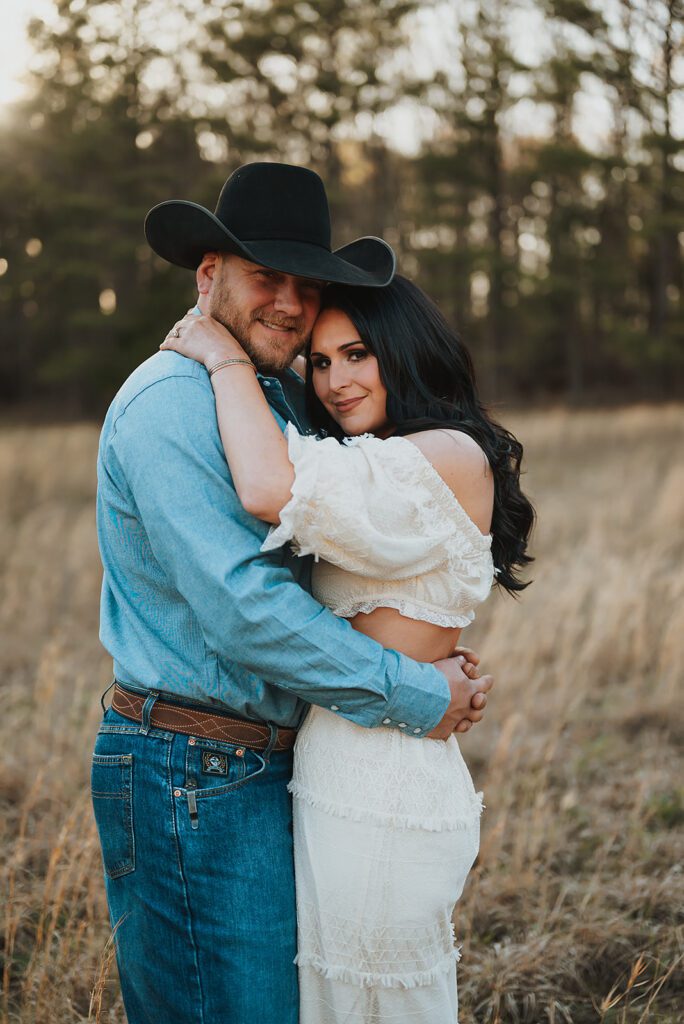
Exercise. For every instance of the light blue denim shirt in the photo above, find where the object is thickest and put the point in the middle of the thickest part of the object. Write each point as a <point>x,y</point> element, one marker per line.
<point>189,603</point>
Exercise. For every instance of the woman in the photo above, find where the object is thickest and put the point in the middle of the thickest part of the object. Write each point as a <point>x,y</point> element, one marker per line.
<point>406,520</point>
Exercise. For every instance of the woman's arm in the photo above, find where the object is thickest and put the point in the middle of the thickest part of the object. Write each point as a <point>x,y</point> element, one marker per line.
<point>255,447</point>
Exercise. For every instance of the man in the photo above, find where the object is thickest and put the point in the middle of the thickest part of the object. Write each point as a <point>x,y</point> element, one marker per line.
<point>218,648</point>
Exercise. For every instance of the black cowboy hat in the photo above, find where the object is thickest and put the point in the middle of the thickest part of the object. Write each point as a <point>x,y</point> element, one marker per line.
<point>272,214</point>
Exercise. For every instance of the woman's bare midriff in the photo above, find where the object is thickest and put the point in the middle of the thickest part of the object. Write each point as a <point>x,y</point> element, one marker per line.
<point>421,641</point>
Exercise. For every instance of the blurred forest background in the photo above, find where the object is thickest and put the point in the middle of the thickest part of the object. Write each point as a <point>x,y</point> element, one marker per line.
<point>558,252</point>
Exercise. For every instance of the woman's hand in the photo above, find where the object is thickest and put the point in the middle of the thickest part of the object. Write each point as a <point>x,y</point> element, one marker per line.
<point>202,338</point>
<point>468,661</point>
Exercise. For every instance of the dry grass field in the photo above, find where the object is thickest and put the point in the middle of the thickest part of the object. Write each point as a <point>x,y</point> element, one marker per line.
<point>574,911</point>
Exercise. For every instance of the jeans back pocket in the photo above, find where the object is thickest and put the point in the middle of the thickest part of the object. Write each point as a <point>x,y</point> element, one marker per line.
<point>112,793</point>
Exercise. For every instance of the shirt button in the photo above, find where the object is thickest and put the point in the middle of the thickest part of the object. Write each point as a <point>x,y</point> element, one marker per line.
<point>387,721</point>
<point>267,383</point>
<point>402,725</point>
<point>334,707</point>
<point>416,731</point>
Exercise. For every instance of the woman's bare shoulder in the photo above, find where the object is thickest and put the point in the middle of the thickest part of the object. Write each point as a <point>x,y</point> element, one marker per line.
<point>451,450</point>
<point>463,466</point>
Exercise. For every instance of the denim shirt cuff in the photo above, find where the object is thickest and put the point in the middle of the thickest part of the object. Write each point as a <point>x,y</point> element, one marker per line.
<point>418,701</point>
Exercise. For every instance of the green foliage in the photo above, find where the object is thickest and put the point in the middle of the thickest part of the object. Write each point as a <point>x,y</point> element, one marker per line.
<point>561,265</point>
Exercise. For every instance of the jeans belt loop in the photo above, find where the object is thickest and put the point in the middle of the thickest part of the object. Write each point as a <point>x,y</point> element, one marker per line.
<point>272,740</point>
<point>147,711</point>
<point>102,698</point>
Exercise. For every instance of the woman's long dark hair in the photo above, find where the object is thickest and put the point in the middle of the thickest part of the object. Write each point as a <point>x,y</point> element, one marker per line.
<point>430,383</point>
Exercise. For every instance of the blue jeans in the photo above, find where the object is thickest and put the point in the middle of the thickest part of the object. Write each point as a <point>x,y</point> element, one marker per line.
<point>196,839</point>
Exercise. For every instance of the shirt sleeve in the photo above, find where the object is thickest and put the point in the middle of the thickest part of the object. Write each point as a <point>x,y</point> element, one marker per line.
<point>247,603</point>
<point>376,508</point>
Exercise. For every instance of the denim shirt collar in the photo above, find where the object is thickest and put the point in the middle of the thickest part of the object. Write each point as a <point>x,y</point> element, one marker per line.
<point>285,395</point>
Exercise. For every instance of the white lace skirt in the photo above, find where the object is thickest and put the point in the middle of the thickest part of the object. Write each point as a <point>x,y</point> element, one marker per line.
<point>386,829</point>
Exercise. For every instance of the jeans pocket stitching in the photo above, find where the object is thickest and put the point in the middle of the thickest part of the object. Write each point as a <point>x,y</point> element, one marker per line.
<point>125,795</point>
<point>221,790</point>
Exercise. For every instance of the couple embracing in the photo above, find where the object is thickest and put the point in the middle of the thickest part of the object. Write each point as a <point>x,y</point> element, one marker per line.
<point>290,554</point>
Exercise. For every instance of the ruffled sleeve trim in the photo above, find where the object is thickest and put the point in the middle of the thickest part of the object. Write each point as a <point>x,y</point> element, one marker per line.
<point>305,466</point>
<point>381,511</point>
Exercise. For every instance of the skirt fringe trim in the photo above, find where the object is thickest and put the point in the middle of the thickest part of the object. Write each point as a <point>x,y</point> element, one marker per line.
<point>300,792</point>
<point>370,979</point>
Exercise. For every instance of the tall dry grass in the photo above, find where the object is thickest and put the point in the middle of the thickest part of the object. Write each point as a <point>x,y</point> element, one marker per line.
<point>573,912</point>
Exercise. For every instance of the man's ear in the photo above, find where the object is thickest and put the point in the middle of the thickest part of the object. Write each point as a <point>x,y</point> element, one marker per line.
<point>205,272</point>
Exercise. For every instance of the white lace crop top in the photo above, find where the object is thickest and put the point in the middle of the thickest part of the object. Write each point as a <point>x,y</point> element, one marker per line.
<point>385,529</point>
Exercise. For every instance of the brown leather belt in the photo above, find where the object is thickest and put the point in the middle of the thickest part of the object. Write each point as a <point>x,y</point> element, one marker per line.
<point>202,724</point>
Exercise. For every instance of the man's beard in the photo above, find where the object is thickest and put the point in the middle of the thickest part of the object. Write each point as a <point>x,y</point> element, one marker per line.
<point>267,358</point>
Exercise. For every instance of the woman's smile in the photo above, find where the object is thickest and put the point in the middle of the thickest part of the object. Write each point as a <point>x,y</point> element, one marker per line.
<point>348,404</point>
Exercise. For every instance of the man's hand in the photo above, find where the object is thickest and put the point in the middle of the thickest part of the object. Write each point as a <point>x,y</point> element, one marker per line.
<point>468,693</point>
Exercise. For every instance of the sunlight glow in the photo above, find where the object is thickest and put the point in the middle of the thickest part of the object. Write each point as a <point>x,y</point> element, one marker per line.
<point>15,50</point>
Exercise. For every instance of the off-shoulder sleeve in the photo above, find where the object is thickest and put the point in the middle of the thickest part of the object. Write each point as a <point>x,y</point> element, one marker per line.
<point>374,507</point>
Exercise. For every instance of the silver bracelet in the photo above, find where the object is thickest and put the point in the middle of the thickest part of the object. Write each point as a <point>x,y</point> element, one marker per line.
<point>231,362</point>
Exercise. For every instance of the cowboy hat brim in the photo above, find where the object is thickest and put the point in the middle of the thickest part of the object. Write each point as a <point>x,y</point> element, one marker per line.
<point>181,232</point>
